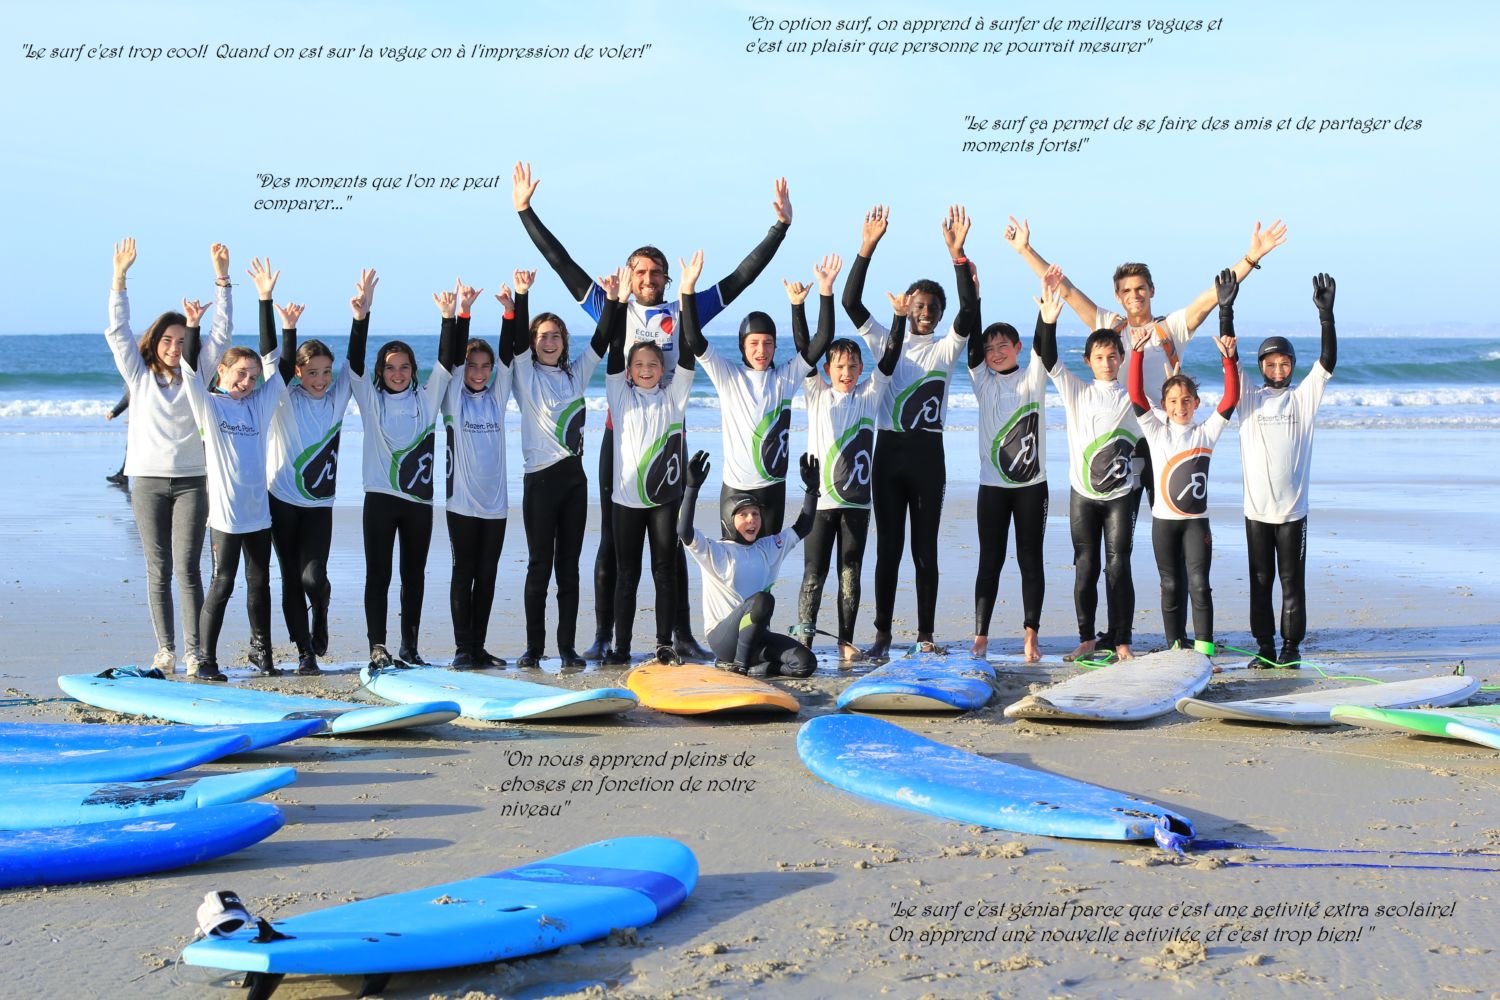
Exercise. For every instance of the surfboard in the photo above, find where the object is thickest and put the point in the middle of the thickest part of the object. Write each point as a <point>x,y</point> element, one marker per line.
<point>571,898</point>
<point>694,689</point>
<point>1131,691</point>
<point>1315,708</point>
<point>494,699</point>
<point>202,704</point>
<point>884,762</point>
<point>51,753</point>
<point>1476,723</point>
<point>922,682</point>
<point>37,806</point>
<point>92,852</point>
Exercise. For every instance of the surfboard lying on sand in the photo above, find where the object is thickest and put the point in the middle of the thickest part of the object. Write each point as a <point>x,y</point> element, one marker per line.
<point>52,753</point>
<point>202,704</point>
<point>922,682</point>
<point>38,806</point>
<point>573,897</point>
<point>494,699</point>
<point>1315,708</point>
<point>1475,723</point>
<point>1129,691</point>
<point>119,848</point>
<point>881,761</point>
<point>693,689</point>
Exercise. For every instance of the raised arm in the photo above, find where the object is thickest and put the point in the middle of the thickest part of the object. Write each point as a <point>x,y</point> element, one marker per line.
<point>892,355</point>
<point>1018,235</point>
<point>1261,243</point>
<point>955,231</point>
<point>117,334</point>
<point>804,524</point>
<point>1134,378</point>
<point>877,220</point>
<point>812,351</point>
<point>697,475</point>
<point>265,287</point>
<point>1323,289</point>
<point>612,319</point>
<point>450,354</point>
<point>731,285</point>
<point>1231,397</point>
<point>359,331</point>
<point>517,318</point>
<point>192,341</point>
<point>290,314</point>
<point>574,278</point>
<point>1049,307</point>
<point>691,269</point>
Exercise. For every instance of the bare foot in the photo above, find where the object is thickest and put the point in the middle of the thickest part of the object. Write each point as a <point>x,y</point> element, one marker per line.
<point>1030,651</point>
<point>981,647</point>
<point>881,647</point>
<point>1122,652</point>
<point>1084,650</point>
<point>850,653</point>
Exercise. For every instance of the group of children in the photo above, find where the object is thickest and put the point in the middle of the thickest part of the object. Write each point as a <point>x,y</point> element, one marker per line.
<point>246,442</point>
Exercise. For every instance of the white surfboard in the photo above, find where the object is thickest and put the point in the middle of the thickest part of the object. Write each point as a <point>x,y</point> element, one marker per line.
<point>1129,691</point>
<point>1315,708</point>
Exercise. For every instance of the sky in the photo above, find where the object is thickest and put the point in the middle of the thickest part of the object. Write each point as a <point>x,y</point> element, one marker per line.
<point>678,146</point>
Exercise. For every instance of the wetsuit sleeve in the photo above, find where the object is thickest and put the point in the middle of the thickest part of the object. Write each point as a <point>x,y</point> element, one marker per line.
<point>892,355</point>
<point>192,344</point>
<point>1044,342</point>
<point>517,320</point>
<point>612,326</point>
<point>359,332</point>
<point>966,323</point>
<point>288,363</point>
<point>446,336</point>
<point>818,346</point>
<point>267,344</point>
<point>691,331</point>
<point>122,405</point>
<point>685,514</point>
<point>976,352</point>
<point>1231,388</point>
<point>803,526</point>
<point>520,340</point>
<point>1330,352</point>
<point>575,278</point>
<point>1133,385</point>
<point>854,291</point>
<point>736,281</point>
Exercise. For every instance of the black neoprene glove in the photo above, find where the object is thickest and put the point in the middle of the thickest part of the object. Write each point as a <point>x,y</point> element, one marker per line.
<point>697,473</point>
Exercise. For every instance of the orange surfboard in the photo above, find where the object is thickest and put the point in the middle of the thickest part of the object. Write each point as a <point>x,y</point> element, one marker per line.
<point>692,689</point>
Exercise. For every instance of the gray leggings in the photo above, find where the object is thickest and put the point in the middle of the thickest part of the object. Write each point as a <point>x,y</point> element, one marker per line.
<point>171,515</point>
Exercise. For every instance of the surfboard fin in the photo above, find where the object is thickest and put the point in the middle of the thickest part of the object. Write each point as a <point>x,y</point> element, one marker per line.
<point>374,983</point>
<point>268,933</point>
<point>262,984</point>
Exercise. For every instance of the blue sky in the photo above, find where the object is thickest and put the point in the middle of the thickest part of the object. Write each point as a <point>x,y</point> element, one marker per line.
<point>679,148</point>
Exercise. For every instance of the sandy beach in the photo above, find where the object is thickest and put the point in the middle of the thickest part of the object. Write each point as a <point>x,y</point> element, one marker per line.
<point>806,891</point>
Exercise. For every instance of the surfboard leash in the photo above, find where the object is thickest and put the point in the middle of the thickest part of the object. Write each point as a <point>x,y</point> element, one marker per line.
<point>1176,835</point>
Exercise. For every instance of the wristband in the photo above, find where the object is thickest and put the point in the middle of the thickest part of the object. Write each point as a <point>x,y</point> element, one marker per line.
<point>467,316</point>
<point>1254,264</point>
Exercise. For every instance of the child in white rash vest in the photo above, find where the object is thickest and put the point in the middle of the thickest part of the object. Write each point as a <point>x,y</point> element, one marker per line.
<point>399,420</point>
<point>911,472</point>
<point>1276,436</point>
<point>1012,477</point>
<point>549,387</point>
<point>1180,533</point>
<point>755,400</point>
<point>164,458</point>
<point>478,490</point>
<point>739,572</point>
<point>841,415</point>
<point>648,426</point>
<point>235,422</point>
<point>1102,504</point>
<point>302,466</point>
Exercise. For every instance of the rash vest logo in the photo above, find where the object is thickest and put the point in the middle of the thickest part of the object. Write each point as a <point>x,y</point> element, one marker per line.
<point>1016,451</point>
<point>448,455</point>
<point>318,468</point>
<point>772,449</point>
<point>659,477</point>
<point>1107,462</point>
<point>569,427</point>
<point>847,467</point>
<point>920,407</point>
<point>1185,482</point>
<point>411,470</point>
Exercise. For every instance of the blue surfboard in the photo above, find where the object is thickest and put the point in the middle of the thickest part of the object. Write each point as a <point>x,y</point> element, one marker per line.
<point>219,704</point>
<point>884,762</point>
<point>48,753</point>
<point>35,806</point>
<point>493,699</point>
<point>573,897</point>
<point>922,682</point>
<point>93,852</point>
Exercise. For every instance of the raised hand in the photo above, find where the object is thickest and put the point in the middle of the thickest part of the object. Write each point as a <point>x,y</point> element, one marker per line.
<point>810,473</point>
<point>1262,243</point>
<point>219,254</point>
<point>782,203</point>
<point>1228,346</point>
<point>124,256</point>
<point>447,303</point>
<point>1053,277</point>
<point>697,470</point>
<point>1226,286</point>
<point>506,299</point>
<point>691,269</point>
<point>265,279</point>
<point>1141,339</point>
<point>1050,305</point>
<point>956,230</point>
<point>466,296</point>
<point>522,187</point>
<point>194,311</point>
<point>1323,289</point>
<point>796,291</point>
<point>899,303</point>
<point>364,293</point>
<point>612,283</point>
<point>524,280</point>
<point>1018,234</point>
<point>290,314</point>
<point>827,270</point>
<point>877,220</point>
